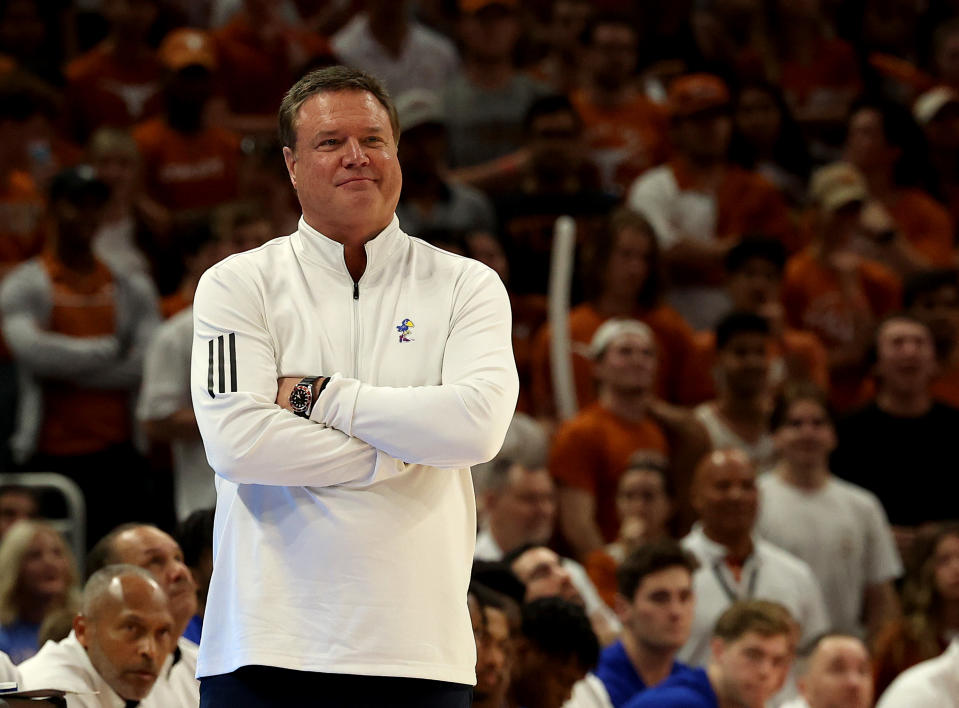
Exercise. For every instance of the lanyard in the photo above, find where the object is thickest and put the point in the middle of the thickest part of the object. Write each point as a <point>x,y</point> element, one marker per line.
<point>733,596</point>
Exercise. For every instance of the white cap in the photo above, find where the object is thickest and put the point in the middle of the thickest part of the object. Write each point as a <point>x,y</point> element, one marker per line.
<point>613,329</point>
<point>931,102</point>
<point>418,107</point>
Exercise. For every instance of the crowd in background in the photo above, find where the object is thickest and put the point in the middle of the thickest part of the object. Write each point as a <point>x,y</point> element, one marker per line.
<point>762,331</point>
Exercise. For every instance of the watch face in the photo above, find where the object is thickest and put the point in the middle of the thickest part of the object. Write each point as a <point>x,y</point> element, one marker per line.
<point>300,398</point>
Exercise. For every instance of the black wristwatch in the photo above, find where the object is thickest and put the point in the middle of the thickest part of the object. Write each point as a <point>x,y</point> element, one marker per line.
<point>301,397</point>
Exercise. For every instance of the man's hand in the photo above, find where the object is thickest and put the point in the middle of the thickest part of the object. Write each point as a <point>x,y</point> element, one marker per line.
<point>285,385</point>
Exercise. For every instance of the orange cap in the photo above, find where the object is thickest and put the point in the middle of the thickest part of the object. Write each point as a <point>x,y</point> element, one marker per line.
<point>696,93</point>
<point>187,47</point>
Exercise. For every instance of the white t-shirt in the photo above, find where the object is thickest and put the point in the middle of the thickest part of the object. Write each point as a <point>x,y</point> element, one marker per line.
<point>427,59</point>
<point>343,543</point>
<point>675,214</point>
<point>770,573</point>
<point>8,671</point>
<point>931,684</point>
<point>164,390</point>
<point>841,531</point>
<point>589,692</point>
<point>762,453</point>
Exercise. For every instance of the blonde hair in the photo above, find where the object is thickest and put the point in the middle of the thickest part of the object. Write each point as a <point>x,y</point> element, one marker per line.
<point>13,551</point>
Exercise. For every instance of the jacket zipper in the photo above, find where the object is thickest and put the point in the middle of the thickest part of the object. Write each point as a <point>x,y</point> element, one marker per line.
<point>356,330</point>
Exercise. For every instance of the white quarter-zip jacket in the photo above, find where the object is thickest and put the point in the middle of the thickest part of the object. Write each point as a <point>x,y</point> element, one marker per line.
<point>343,543</point>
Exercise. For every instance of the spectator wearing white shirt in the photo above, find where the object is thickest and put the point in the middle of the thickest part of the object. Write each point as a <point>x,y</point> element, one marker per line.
<point>735,564</point>
<point>8,672</point>
<point>838,528</point>
<point>932,683</point>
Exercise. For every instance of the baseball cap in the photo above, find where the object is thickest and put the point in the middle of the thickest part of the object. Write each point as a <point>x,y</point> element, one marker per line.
<point>471,6</point>
<point>836,185</point>
<point>419,107</point>
<point>696,93</point>
<point>613,329</point>
<point>928,105</point>
<point>78,184</point>
<point>187,47</point>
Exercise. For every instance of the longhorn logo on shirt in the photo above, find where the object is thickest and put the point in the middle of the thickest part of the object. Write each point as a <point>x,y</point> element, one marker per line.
<point>405,328</point>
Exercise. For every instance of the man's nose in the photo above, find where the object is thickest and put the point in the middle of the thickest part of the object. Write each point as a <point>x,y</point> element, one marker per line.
<point>354,153</point>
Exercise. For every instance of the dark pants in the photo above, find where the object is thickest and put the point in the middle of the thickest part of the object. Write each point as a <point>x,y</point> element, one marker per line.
<point>270,687</point>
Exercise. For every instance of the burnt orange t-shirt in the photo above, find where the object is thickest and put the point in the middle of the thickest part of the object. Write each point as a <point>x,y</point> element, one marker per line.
<point>834,66</point>
<point>945,387</point>
<point>195,171</point>
<point>77,420</point>
<point>21,235</point>
<point>926,224</point>
<point>674,340</point>
<point>814,301</point>
<point>104,90</point>
<point>591,451</point>
<point>626,140</point>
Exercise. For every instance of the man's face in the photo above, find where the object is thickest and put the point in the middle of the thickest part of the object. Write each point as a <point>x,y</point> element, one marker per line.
<point>627,267</point>
<point>128,636</point>
<point>525,510</point>
<point>758,118</point>
<point>493,655</point>
<point>939,310</point>
<point>641,494</point>
<point>344,165</point>
<point>660,615</point>
<point>491,33</point>
<point>725,494</point>
<point>613,54</point>
<point>628,364</point>
<point>753,667</point>
<point>839,675</point>
<point>77,220</point>
<point>906,360</point>
<point>705,135</point>
<point>755,284</point>
<point>155,551</point>
<point>947,59</point>
<point>866,145</point>
<point>946,568</point>
<point>744,364</point>
<point>543,574</point>
<point>554,142</point>
<point>15,506</point>
<point>806,436</point>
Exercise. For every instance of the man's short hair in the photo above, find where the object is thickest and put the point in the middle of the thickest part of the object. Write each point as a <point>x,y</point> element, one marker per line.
<point>547,106</point>
<point>651,558</point>
<point>560,630</point>
<point>329,80</point>
<point>98,583</point>
<point>194,535</point>
<point>927,281</point>
<point>794,392</point>
<point>755,248</point>
<point>609,17</point>
<point>764,617</point>
<point>103,554</point>
<point>736,323</point>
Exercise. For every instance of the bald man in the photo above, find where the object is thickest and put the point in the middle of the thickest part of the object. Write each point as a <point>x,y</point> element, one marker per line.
<point>120,642</point>
<point>158,553</point>
<point>838,674</point>
<point>734,563</point>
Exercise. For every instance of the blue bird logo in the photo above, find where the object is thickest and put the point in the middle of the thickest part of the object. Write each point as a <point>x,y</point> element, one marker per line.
<point>405,328</point>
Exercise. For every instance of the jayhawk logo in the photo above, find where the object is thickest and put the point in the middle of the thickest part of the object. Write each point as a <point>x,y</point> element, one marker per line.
<point>405,328</point>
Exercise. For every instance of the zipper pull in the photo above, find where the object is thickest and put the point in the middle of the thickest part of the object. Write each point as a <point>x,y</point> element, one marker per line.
<point>356,290</point>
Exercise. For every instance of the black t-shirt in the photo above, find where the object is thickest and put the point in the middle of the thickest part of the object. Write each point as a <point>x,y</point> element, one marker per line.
<point>909,463</point>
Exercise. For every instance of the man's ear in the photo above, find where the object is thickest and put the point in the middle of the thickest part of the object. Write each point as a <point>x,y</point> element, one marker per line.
<point>717,646</point>
<point>81,628</point>
<point>622,607</point>
<point>290,159</point>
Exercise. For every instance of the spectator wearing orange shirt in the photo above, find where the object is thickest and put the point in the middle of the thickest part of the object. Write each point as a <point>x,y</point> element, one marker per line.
<point>754,270</point>
<point>937,113</point>
<point>700,204</point>
<point>906,228</point>
<point>932,297</point>
<point>623,279</point>
<point>78,332</point>
<point>119,81</point>
<point>834,292</point>
<point>591,450</point>
<point>188,164</point>
<point>626,132</point>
